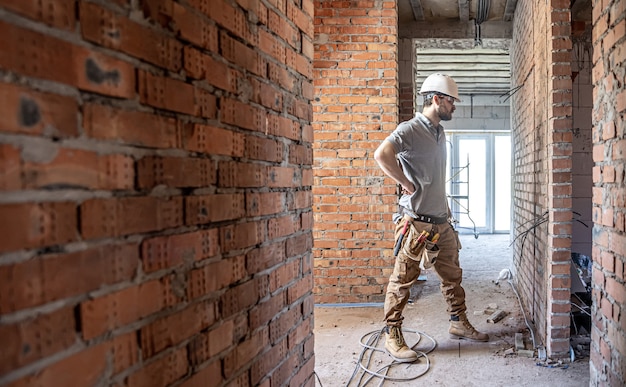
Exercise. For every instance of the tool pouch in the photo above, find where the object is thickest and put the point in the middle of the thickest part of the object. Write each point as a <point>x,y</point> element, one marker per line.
<point>429,254</point>
<point>410,246</point>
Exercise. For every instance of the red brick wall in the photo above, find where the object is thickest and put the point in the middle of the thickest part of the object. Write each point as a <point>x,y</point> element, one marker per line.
<point>608,349</point>
<point>541,122</point>
<point>155,193</point>
<point>356,107</point>
<point>529,131</point>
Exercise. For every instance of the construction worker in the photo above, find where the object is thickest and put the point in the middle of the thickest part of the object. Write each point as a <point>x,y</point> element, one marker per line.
<point>414,155</point>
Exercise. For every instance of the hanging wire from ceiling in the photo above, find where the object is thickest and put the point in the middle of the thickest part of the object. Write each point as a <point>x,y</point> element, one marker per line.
<point>482,14</point>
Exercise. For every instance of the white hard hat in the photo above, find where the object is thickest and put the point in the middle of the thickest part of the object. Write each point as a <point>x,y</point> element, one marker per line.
<point>440,83</point>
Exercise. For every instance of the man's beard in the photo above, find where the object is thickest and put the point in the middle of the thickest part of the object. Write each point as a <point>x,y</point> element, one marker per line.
<point>444,115</point>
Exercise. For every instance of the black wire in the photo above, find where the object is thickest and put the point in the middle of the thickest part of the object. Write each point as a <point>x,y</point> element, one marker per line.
<point>318,379</point>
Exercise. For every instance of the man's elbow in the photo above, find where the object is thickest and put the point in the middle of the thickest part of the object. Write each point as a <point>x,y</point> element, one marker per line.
<point>379,153</point>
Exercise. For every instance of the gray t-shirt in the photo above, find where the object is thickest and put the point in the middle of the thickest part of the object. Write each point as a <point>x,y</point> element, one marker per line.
<point>421,149</point>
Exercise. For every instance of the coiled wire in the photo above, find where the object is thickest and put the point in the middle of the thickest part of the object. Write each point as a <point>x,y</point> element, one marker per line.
<point>370,343</point>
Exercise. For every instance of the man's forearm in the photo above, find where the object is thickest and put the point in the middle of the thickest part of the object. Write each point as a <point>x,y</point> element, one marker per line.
<point>386,159</point>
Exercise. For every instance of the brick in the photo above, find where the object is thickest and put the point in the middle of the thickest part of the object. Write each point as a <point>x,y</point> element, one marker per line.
<point>242,235</point>
<point>55,13</point>
<point>110,30</point>
<point>207,345</point>
<point>282,226</point>
<point>284,275</point>
<point>124,351</point>
<point>245,352</point>
<point>191,27</point>
<point>616,290</point>
<point>36,225</point>
<point>171,330</point>
<point>209,376</point>
<point>232,19</point>
<point>215,276</point>
<point>131,215</point>
<point>283,127</point>
<point>265,257</point>
<point>36,338</point>
<point>297,245</point>
<point>302,287</point>
<point>304,375</point>
<point>266,149</point>
<point>262,313</point>
<point>23,51</point>
<point>80,169</point>
<point>242,175</point>
<point>301,200</point>
<point>265,203</point>
<point>243,56</point>
<point>242,115</point>
<point>283,177</point>
<point>172,250</point>
<point>115,310</point>
<point>206,103</point>
<point>55,277</point>
<point>283,323</point>
<point>213,208</point>
<point>212,140</point>
<point>268,361</point>
<point>300,19</point>
<point>300,333</point>
<point>129,127</point>
<point>216,73</point>
<point>175,172</point>
<point>164,371</point>
<point>82,369</point>
<point>167,93</point>
<point>159,11</point>
<point>267,95</point>
<point>271,45</point>
<point>10,168</point>
<point>27,111</point>
<point>276,24</point>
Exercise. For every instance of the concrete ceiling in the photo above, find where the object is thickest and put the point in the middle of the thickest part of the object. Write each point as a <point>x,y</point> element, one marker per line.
<point>455,19</point>
<point>467,39</point>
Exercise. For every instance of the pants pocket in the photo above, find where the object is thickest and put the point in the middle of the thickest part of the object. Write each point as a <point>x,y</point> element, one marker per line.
<point>415,241</point>
<point>429,254</point>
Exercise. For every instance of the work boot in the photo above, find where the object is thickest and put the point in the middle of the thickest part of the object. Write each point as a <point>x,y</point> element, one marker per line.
<point>461,328</point>
<point>396,346</point>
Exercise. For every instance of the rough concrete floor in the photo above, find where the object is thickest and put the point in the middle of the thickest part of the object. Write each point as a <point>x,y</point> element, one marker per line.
<point>339,330</point>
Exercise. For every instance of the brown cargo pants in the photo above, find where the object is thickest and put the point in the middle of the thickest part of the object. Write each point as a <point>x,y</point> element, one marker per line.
<point>406,271</point>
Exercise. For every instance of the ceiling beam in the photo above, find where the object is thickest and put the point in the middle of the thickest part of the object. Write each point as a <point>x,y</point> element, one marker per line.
<point>418,11</point>
<point>463,10</point>
<point>460,30</point>
<point>509,10</point>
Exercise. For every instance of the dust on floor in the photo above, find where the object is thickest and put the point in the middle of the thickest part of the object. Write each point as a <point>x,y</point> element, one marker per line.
<point>341,330</point>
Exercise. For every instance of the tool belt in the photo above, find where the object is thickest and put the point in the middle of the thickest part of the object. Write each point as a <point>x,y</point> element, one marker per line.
<point>417,244</point>
<point>425,218</point>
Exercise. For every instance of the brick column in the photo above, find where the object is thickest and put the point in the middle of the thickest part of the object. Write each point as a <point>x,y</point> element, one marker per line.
<point>560,149</point>
<point>356,107</point>
<point>542,138</point>
<point>608,349</point>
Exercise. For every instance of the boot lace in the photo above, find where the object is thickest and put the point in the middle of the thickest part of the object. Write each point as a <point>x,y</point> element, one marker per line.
<point>468,325</point>
<point>396,334</point>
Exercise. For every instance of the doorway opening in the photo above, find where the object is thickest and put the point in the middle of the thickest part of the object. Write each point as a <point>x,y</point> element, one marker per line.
<point>479,182</point>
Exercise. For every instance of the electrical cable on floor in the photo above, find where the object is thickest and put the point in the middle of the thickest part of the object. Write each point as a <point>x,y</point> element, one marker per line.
<point>537,222</point>
<point>532,334</point>
<point>370,347</point>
